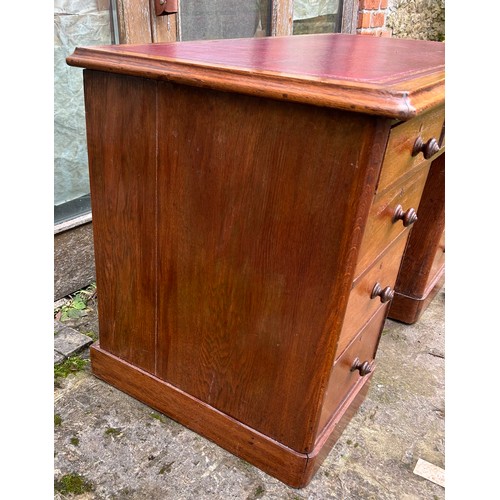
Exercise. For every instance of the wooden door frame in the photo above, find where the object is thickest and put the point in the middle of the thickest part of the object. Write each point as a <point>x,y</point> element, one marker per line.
<point>138,23</point>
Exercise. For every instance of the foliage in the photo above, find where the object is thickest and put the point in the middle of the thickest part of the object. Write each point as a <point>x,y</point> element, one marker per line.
<point>417,19</point>
<point>77,305</point>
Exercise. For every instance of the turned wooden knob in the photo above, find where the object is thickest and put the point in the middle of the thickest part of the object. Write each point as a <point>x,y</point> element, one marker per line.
<point>429,148</point>
<point>408,217</point>
<point>364,367</point>
<point>386,294</point>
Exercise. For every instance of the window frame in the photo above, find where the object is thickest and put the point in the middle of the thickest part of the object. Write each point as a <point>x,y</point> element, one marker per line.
<point>137,22</point>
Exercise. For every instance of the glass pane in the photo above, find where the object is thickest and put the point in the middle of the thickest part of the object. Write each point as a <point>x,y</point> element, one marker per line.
<point>224,19</point>
<point>316,16</point>
<point>76,23</point>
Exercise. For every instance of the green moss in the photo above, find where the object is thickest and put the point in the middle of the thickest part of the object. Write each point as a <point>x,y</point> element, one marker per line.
<point>259,491</point>
<point>73,483</point>
<point>57,419</point>
<point>74,441</point>
<point>158,416</point>
<point>92,335</point>
<point>112,431</point>
<point>71,365</point>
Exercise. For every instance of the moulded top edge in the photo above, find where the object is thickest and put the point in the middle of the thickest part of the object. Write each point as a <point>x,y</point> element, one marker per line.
<point>361,73</point>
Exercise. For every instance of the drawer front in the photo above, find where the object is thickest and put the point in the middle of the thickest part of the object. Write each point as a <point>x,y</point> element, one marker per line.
<point>381,229</point>
<point>399,159</point>
<point>361,307</point>
<point>342,378</point>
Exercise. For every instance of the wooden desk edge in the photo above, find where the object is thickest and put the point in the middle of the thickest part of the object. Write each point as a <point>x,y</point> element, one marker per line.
<point>398,101</point>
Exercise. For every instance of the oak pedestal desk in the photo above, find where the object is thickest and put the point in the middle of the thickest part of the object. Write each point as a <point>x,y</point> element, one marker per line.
<point>251,204</point>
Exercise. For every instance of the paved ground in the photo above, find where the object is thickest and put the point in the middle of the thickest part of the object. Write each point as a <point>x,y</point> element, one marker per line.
<point>110,446</point>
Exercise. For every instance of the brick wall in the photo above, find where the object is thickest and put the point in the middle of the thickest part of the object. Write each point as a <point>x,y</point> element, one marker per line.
<point>372,16</point>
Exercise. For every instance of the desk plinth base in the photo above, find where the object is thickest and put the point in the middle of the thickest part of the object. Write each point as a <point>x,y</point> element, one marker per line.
<point>408,309</point>
<point>292,468</point>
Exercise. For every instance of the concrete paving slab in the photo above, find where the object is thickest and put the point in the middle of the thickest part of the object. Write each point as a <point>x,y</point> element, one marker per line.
<point>58,357</point>
<point>123,449</point>
<point>68,341</point>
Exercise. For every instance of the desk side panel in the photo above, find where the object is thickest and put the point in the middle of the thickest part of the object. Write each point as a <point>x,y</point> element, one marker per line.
<point>259,205</point>
<point>121,137</point>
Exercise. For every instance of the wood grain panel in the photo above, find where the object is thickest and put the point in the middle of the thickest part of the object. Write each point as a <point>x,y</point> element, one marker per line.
<point>257,204</point>
<point>282,18</point>
<point>121,140</point>
<point>138,23</point>
<point>349,16</point>
<point>438,262</point>
<point>134,21</point>
<point>163,28</point>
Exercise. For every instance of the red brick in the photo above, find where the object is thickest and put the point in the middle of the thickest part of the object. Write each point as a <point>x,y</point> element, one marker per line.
<point>369,4</point>
<point>377,20</point>
<point>364,19</point>
<point>384,4</point>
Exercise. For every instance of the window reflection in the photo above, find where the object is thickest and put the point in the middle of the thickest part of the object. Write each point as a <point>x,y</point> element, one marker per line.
<point>224,19</point>
<point>76,23</point>
<point>316,16</point>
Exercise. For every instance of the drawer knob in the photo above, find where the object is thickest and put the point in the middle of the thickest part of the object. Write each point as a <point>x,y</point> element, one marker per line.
<point>386,294</point>
<point>429,148</point>
<point>408,217</point>
<point>364,368</point>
